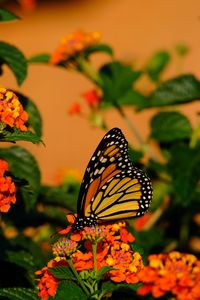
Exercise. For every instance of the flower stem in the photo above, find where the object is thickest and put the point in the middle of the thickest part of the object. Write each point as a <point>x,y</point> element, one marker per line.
<point>77,276</point>
<point>86,67</point>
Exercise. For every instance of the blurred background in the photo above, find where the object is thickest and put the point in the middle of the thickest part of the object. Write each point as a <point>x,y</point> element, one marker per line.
<point>135,29</point>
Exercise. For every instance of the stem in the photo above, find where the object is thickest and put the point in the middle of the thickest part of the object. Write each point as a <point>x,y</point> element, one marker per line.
<point>130,125</point>
<point>77,276</point>
<point>87,68</point>
<point>136,133</point>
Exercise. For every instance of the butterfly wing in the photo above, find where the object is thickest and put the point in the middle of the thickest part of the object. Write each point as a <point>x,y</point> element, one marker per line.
<point>112,188</point>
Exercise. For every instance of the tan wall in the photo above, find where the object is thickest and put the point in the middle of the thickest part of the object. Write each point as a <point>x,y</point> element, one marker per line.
<point>134,28</point>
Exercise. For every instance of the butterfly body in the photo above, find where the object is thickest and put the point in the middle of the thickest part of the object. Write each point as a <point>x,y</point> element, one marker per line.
<point>112,188</point>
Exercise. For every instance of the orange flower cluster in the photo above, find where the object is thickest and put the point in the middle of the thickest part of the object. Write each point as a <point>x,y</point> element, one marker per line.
<point>7,188</point>
<point>74,44</point>
<point>175,273</point>
<point>113,249</point>
<point>48,283</point>
<point>11,110</point>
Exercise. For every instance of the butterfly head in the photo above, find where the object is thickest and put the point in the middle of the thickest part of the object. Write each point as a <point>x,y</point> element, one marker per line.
<point>80,223</point>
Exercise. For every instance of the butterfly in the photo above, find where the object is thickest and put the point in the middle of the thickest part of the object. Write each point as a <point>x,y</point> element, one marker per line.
<point>112,188</point>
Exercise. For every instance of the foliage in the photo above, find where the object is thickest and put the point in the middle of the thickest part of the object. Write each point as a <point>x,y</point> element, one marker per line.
<point>27,223</point>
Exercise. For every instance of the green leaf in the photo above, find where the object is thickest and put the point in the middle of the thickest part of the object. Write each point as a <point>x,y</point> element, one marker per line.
<point>135,155</point>
<point>117,80</point>
<point>6,16</point>
<point>109,287</point>
<point>13,135</point>
<point>21,258</point>
<point>59,196</point>
<point>185,172</point>
<point>35,119</point>
<point>182,89</point>
<point>170,126</point>
<point>62,272</point>
<point>69,291</point>
<point>157,64</point>
<point>15,60</point>
<point>40,58</point>
<point>23,165</point>
<point>102,271</point>
<point>98,48</point>
<point>19,293</point>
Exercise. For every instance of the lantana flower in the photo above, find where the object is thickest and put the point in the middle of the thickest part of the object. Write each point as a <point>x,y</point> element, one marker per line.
<point>96,247</point>
<point>74,44</point>
<point>176,273</point>
<point>7,188</point>
<point>11,110</point>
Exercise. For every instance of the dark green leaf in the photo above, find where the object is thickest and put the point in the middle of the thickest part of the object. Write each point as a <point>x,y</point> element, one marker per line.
<point>98,48</point>
<point>13,135</point>
<point>157,64</point>
<point>135,155</point>
<point>69,291</point>
<point>102,271</point>
<point>19,293</point>
<point>23,165</point>
<point>184,169</point>
<point>20,258</point>
<point>62,272</point>
<point>170,126</point>
<point>6,16</point>
<point>109,287</point>
<point>117,80</point>
<point>40,58</point>
<point>34,120</point>
<point>59,196</point>
<point>182,89</point>
<point>15,59</point>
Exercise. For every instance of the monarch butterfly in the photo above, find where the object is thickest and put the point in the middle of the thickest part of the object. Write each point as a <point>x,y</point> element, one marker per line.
<point>112,188</point>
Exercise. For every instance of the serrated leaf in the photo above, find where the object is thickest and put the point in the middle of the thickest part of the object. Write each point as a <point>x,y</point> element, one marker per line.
<point>40,58</point>
<point>170,126</point>
<point>181,89</point>
<point>117,80</point>
<point>13,135</point>
<point>69,291</point>
<point>23,165</point>
<point>14,58</point>
<point>19,293</point>
<point>6,16</point>
<point>184,169</point>
<point>102,271</point>
<point>98,48</point>
<point>35,119</point>
<point>157,64</point>
<point>62,272</point>
<point>20,258</point>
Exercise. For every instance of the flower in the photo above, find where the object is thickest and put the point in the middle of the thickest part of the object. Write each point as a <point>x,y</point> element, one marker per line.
<point>140,223</point>
<point>11,110</point>
<point>74,44</point>
<point>176,273</point>
<point>93,233</point>
<point>75,109</point>
<point>64,247</point>
<point>92,98</point>
<point>7,188</point>
<point>47,283</point>
<point>112,248</point>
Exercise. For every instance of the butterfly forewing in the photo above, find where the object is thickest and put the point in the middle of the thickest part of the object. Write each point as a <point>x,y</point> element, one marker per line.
<point>102,166</point>
<point>112,188</point>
